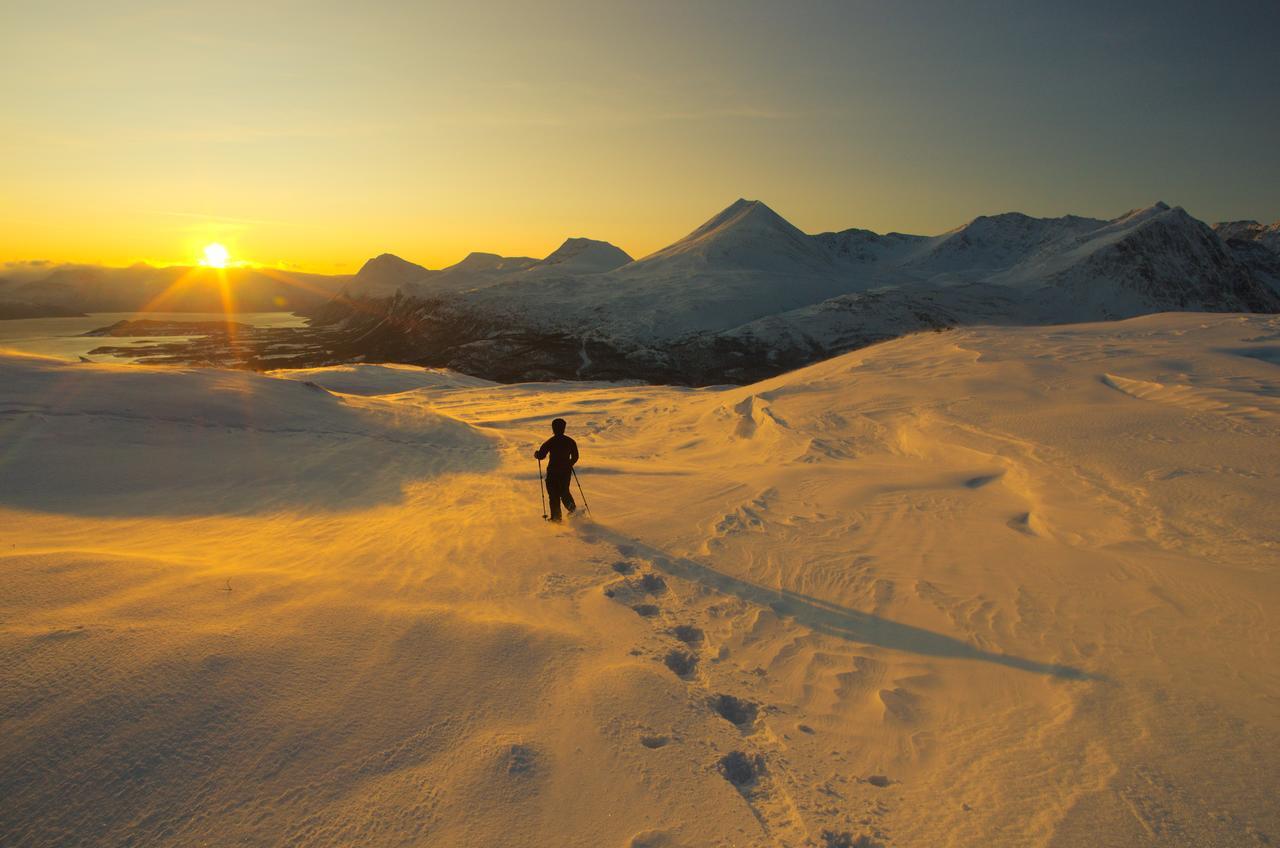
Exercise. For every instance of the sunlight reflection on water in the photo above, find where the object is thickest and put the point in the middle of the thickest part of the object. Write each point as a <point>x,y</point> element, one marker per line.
<point>63,337</point>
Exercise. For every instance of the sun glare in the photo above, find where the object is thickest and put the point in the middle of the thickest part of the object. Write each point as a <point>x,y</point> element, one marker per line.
<point>215,256</point>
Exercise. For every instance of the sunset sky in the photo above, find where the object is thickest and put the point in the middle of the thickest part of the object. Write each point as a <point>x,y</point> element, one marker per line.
<point>315,134</point>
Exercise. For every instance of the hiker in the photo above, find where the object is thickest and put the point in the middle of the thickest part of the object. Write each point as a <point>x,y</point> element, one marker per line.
<point>564,455</point>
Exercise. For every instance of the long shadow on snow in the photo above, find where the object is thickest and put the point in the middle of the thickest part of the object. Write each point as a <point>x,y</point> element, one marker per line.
<point>825,617</point>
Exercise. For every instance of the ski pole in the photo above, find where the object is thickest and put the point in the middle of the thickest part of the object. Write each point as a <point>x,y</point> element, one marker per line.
<point>585,505</point>
<point>542,492</point>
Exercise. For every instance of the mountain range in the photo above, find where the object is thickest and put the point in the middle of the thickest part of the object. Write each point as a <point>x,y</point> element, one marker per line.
<point>748,294</point>
<point>744,295</point>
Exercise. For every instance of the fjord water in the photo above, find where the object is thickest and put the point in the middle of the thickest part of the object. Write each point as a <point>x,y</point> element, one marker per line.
<point>63,338</point>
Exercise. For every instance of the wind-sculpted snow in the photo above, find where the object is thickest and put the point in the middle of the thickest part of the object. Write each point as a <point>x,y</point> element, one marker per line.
<point>232,441</point>
<point>995,586</point>
<point>367,380</point>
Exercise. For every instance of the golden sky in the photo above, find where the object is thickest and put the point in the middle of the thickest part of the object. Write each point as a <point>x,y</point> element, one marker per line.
<point>315,135</point>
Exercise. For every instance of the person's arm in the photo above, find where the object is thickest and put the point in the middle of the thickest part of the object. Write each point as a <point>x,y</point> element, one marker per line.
<point>541,452</point>
<point>573,453</point>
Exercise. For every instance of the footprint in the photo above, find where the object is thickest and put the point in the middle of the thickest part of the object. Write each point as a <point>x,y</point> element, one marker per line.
<point>736,711</point>
<point>653,583</point>
<point>681,662</point>
<point>688,634</point>
<point>634,590</point>
<point>742,770</point>
<point>522,760</point>
<point>771,793</point>
<point>844,839</point>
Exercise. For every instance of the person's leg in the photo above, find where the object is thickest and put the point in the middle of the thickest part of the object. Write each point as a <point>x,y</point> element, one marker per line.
<point>553,494</point>
<point>568,493</point>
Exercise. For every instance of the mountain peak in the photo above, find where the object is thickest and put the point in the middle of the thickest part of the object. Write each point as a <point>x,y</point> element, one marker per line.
<point>741,215</point>
<point>746,234</point>
<point>476,258</point>
<point>742,212</point>
<point>479,262</point>
<point>388,267</point>
<point>1142,215</point>
<point>586,256</point>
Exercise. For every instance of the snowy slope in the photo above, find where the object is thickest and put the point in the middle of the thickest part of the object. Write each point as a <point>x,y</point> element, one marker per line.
<point>385,274</point>
<point>476,271</point>
<point>178,428</point>
<point>1268,235</point>
<point>745,263</point>
<point>478,262</point>
<point>1147,260</point>
<point>581,256</point>
<point>985,587</point>
<point>1256,247</point>
<point>746,235</point>
<point>748,263</point>
<point>989,245</point>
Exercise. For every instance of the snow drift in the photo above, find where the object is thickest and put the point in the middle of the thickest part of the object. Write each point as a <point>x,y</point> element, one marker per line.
<point>992,586</point>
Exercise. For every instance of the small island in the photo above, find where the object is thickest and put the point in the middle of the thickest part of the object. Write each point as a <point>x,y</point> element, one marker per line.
<point>152,327</point>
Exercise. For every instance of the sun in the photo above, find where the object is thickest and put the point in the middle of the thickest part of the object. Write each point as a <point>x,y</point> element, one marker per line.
<point>215,256</point>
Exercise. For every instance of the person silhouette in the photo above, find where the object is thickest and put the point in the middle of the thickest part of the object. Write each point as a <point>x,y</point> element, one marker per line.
<point>564,455</point>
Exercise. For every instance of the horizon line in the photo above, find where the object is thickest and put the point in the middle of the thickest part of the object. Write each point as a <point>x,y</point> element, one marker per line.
<point>195,264</point>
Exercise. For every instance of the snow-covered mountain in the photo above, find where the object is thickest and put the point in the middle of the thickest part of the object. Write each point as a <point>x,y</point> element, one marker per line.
<point>576,257</point>
<point>742,296</point>
<point>582,256</point>
<point>1150,260</point>
<point>746,236</point>
<point>384,274</point>
<point>747,263</point>
<point>990,245</point>
<point>747,293</point>
<point>1257,247</point>
<point>1268,235</point>
<point>478,262</point>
